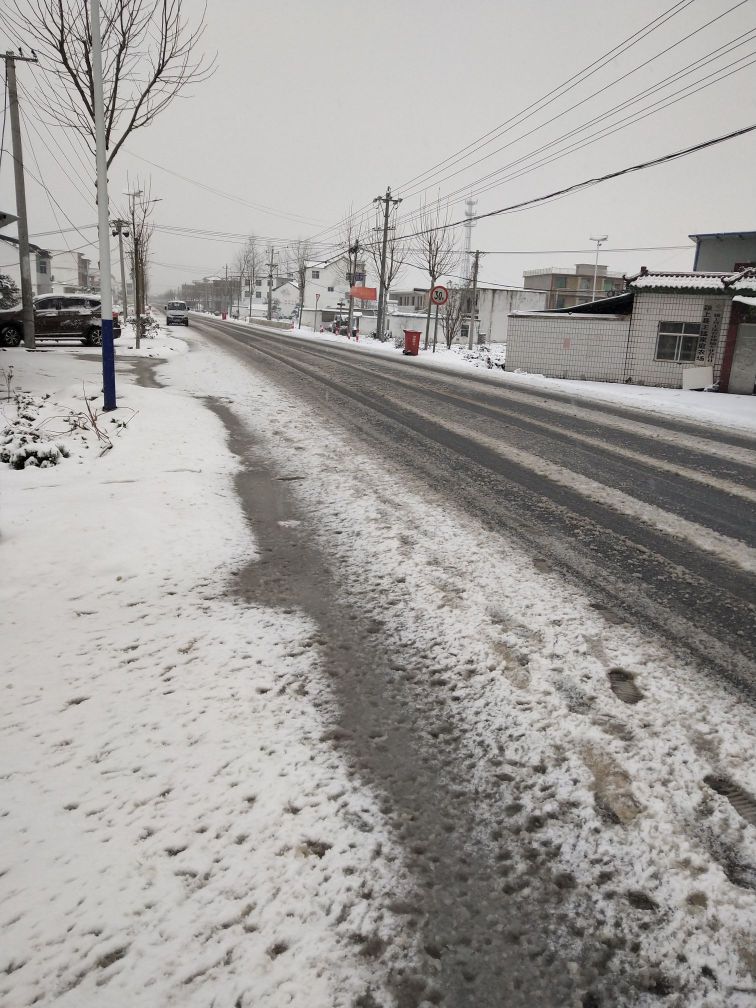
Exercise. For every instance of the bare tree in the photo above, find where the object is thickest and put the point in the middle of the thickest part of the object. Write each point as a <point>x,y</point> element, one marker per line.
<point>299,255</point>
<point>434,250</point>
<point>397,253</point>
<point>248,263</point>
<point>149,57</point>
<point>452,313</point>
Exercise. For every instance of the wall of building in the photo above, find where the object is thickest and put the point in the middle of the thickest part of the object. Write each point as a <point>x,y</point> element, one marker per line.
<point>589,347</point>
<point>722,254</point>
<point>495,307</point>
<point>649,309</point>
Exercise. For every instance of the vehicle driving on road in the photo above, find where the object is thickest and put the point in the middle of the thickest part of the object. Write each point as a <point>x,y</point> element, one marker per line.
<point>58,317</point>
<point>176,312</point>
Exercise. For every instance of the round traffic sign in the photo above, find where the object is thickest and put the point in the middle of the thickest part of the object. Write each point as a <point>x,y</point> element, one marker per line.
<point>439,295</point>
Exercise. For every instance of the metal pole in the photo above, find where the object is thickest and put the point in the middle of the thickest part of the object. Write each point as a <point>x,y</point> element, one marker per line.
<point>471,333</point>
<point>23,228</point>
<point>103,224</point>
<point>435,330</point>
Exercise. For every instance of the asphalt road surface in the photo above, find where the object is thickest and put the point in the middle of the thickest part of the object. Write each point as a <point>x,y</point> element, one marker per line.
<point>652,518</point>
<point>697,600</point>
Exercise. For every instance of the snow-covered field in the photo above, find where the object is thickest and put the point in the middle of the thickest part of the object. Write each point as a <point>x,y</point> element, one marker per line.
<point>728,411</point>
<point>176,826</point>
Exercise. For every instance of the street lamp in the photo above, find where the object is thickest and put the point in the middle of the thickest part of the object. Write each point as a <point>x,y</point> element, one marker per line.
<point>599,239</point>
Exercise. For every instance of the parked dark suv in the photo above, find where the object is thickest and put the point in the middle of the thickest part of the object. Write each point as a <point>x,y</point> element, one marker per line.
<point>58,317</point>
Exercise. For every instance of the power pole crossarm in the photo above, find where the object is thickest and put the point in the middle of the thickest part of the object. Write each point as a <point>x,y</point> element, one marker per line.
<point>18,171</point>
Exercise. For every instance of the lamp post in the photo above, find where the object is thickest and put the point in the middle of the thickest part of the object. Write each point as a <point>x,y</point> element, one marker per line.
<point>599,239</point>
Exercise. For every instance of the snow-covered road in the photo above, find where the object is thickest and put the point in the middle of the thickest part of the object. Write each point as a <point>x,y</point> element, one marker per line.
<point>289,722</point>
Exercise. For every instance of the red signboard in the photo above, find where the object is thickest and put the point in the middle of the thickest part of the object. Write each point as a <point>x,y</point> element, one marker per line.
<point>364,293</point>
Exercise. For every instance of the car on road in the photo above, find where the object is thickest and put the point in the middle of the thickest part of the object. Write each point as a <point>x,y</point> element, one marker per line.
<point>58,317</point>
<point>176,313</point>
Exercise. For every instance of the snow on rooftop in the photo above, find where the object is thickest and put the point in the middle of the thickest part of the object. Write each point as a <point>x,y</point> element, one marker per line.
<point>705,281</point>
<point>744,281</point>
<point>679,281</point>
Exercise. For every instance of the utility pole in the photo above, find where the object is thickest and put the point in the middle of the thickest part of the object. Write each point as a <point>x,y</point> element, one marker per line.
<point>353,251</point>
<point>103,222</point>
<point>600,239</point>
<point>118,229</point>
<point>388,203</point>
<point>471,332</point>
<point>18,171</point>
<point>270,285</point>
<point>138,309</point>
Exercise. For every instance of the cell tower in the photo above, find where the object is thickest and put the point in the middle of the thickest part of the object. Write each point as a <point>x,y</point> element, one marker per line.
<point>470,205</point>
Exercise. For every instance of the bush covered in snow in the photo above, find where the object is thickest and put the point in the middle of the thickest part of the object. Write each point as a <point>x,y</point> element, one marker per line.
<point>23,444</point>
<point>150,325</point>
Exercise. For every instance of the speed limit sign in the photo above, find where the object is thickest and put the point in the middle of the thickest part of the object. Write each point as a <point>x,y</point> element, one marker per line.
<point>439,295</point>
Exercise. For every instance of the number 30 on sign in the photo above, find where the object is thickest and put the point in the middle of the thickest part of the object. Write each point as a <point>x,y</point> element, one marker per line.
<point>439,295</point>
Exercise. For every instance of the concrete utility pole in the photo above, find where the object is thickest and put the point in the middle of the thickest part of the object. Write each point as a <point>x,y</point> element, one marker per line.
<point>270,286</point>
<point>353,251</point>
<point>118,229</point>
<point>18,171</point>
<point>138,309</point>
<point>103,221</point>
<point>470,205</point>
<point>471,332</point>
<point>388,204</point>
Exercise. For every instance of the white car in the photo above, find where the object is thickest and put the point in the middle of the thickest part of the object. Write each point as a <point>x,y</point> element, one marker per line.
<point>176,312</point>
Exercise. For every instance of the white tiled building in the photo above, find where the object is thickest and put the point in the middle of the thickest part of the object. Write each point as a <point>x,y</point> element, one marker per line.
<point>664,325</point>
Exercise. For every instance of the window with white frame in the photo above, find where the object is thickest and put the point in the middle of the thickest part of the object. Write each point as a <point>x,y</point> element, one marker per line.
<point>316,274</point>
<point>678,341</point>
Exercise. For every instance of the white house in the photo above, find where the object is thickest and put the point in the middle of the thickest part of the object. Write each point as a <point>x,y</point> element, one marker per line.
<point>674,330</point>
<point>39,264</point>
<point>326,294</point>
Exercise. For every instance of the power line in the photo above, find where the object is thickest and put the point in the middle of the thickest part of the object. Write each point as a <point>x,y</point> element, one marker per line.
<point>494,134</point>
<point>553,94</point>
<point>594,181</point>
<point>601,134</point>
<point>670,79</point>
<point>228,196</point>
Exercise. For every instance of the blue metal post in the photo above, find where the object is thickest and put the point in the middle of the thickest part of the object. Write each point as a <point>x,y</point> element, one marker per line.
<point>108,365</point>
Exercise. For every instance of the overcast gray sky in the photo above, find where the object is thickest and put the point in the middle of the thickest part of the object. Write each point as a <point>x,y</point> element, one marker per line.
<point>316,107</point>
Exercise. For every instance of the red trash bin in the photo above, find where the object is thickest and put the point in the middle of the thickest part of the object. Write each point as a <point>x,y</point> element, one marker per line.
<point>411,342</point>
